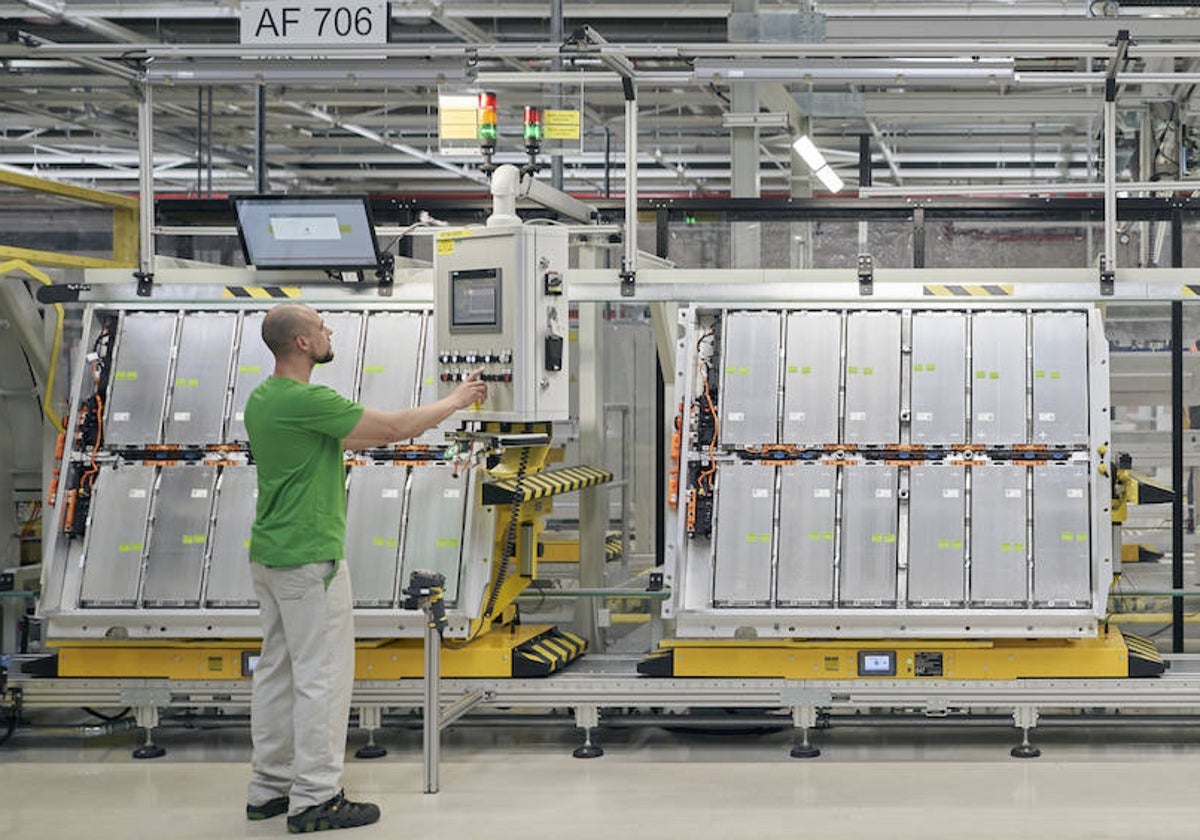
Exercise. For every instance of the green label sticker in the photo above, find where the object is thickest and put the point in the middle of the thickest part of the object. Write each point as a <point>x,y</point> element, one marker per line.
<point>1019,546</point>
<point>995,374</point>
<point>828,536</point>
<point>752,538</point>
<point>764,538</point>
<point>793,369</point>
<point>384,542</point>
<point>918,367</point>
<point>930,368</point>
<point>374,368</point>
<point>1054,374</point>
<point>868,371</point>
<point>877,538</point>
<point>852,369</point>
<point>246,543</point>
<point>1068,536</point>
<point>1039,374</point>
<point>126,375</point>
<point>943,543</point>
<point>1080,537</point>
<point>193,539</point>
<point>125,548</point>
<point>249,368</point>
<point>1006,546</point>
<point>981,374</point>
<point>806,369</point>
<point>187,383</point>
<point>447,542</point>
<point>889,538</point>
<point>814,535</point>
<point>428,380</point>
<point>744,370</point>
<point>956,543</point>
<point>730,369</point>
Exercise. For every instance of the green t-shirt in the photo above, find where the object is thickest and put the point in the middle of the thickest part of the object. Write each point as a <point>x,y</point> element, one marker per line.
<point>296,432</point>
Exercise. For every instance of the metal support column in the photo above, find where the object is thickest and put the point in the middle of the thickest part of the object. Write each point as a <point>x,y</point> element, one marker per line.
<point>145,272</point>
<point>631,175</point>
<point>1177,409</point>
<point>556,65</point>
<point>593,501</point>
<point>1110,180</point>
<point>744,182</point>
<point>261,182</point>
<point>918,237</point>
<point>431,731</point>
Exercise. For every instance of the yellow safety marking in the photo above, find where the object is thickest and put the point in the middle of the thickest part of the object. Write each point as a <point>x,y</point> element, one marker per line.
<point>262,292</point>
<point>1191,291</point>
<point>987,290</point>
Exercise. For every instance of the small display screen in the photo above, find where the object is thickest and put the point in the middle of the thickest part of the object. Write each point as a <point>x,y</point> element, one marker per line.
<point>475,300</point>
<point>323,232</point>
<point>876,663</point>
<point>250,662</point>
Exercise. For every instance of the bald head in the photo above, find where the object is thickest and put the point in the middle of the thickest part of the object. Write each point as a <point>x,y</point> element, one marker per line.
<point>284,323</point>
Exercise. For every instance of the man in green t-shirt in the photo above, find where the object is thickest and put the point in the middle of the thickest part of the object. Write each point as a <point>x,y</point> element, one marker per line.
<point>305,675</point>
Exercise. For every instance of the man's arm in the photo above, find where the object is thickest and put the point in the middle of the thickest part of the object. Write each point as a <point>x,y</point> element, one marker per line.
<point>377,428</point>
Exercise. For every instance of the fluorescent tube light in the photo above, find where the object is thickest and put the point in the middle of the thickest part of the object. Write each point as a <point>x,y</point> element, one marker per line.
<point>811,154</point>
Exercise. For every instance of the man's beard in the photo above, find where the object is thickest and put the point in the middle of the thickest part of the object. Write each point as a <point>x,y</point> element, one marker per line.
<point>325,359</point>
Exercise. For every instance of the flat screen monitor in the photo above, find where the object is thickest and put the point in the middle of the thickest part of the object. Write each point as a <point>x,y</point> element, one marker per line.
<point>475,301</point>
<point>324,232</point>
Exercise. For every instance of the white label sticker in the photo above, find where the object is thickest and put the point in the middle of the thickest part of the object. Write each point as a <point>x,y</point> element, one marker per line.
<point>858,416</point>
<point>796,416</point>
<point>735,416</point>
<point>390,493</point>
<point>274,23</point>
<point>137,493</point>
<point>883,493</point>
<point>1074,493</point>
<point>239,416</point>
<point>822,493</point>
<point>182,416</point>
<point>452,493</point>
<point>986,417</point>
<point>950,493</point>
<point>760,493</point>
<point>120,416</point>
<point>1046,416</point>
<point>1012,493</point>
<point>199,492</point>
<point>924,416</point>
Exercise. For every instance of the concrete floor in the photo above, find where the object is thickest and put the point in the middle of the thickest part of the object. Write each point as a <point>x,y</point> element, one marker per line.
<point>521,782</point>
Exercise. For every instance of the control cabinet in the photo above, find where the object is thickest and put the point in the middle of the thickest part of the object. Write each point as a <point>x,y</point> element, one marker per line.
<point>500,307</point>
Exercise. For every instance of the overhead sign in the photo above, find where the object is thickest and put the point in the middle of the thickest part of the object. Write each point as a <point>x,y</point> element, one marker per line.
<point>313,22</point>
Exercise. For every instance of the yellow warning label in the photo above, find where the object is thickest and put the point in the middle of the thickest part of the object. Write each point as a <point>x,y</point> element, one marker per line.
<point>561,125</point>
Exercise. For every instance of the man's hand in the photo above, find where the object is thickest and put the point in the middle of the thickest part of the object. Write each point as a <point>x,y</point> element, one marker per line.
<point>471,390</point>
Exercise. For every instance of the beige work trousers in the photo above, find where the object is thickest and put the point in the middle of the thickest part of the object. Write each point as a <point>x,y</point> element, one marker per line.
<point>302,683</point>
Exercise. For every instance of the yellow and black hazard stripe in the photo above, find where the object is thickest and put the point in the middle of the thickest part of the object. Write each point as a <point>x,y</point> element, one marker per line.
<point>546,653</point>
<point>989,290</point>
<point>658,663</point>
<point>1191,291</point>
<point>262,292</point>
<point>541,485</point>
<point>613,548</point>
<point>1144,658</point>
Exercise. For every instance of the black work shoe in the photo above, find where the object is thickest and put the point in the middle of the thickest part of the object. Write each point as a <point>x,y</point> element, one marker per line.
<point>270,808</point>
<point>338,812</point>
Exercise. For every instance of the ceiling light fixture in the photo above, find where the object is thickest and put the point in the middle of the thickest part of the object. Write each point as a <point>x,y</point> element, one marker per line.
<point>815,161</point>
